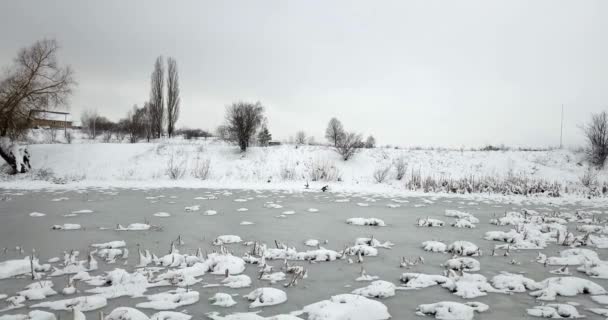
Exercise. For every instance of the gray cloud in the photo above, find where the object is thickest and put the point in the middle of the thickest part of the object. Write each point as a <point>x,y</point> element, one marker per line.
<point>411,72</point>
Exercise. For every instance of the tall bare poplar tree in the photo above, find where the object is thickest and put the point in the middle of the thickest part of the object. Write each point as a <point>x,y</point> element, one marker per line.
<point>157,98</point>
<point>172,95</point>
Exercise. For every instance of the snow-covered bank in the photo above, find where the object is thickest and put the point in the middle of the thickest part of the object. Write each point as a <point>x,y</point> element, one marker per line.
<point>182,163</point>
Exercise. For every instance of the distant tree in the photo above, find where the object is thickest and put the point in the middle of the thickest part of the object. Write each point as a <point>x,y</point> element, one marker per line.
<point>264,136</point>
<point>173,98</point>
<point>334,132</point>
<point>596,132</point>
<point>88,121</point>
<point>157,98</point>
<point>243,120</point>
<point>193,133</point>
<point>135,124</point>
<point>222,132</point>
<point>370,142</point>
<point>311,140</point>
<point>300,137</point>
<point>349,145</point>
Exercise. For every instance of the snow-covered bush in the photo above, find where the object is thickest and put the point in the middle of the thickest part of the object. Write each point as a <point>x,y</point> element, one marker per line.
<point>202,169</point>
<point>175,169</point>
<point>400,168</point>
<point>589,178</point>
<point>323,170</point>
<point>288,171</point>
<point>381,173</point>
<point>596,132</point>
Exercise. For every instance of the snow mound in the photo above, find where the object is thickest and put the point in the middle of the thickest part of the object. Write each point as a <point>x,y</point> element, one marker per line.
<point>11,268</point>
<point>464,248</point>
<point>223,300</point>
<point>448,310</point>
<point>514,282</point>
<point>238,281</point>
<point>430,222</point>
<point>262,297</point>
<point>86,303</point>
<point>366,222</point>
<point>555,310</point>
<point>550,288</point>
<point>461,215</point>
<point>66,226</point>
<point>170,300</point>
<point>377,289</point>
<point>434,246</point>
<point>347,306</point>
<point>463,264</point>
<point>226,239</point>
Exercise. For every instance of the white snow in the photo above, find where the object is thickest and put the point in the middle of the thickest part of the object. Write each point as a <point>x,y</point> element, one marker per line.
<point>366,222</point>
<point>170,300</point>
<point>434,246</point>
<point>448,310</point>
<point>222,300</point>
<point>66,226</point>
<point>11,268</point>
<point>550,288</point>
<point>377,289</point>
<point>555,310</point>
<point>134,227</point>
<point>84,303</point>
<point>162,214</point>
<point>347,306</point>
<point>226,239</point>
<point>262,297</point>
<point>37,214</point>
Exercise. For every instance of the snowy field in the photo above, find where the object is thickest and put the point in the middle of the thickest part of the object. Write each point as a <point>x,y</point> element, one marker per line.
<point>174,254</point>
<point>214,164</point>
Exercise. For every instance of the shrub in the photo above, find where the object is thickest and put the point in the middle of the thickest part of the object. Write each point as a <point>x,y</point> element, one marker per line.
<point>589,178</point>
<point>175,170</point>
<point>323,170</point>
<point>400,168</point>
<point>381,173</point>
<point>202,169</point>
<point>288,171</point>
<point>596,133</point>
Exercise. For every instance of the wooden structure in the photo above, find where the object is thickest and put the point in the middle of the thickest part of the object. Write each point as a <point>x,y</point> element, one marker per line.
<point>50,119</point>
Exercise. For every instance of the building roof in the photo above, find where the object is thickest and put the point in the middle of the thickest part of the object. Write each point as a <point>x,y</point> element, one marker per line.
<point>51,115</point>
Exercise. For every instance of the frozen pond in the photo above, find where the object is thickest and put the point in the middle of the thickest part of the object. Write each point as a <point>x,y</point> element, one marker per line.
<point>267,217</point>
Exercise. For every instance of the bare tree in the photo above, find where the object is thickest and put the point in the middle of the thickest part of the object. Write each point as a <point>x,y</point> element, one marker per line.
<point>300,137</point>
<point>136,123</point>
<point>349,145</point>
<point>35,81</point>
<point>243,120</point>
<point>223,133</point>
<point>596,132</point>
<point>334,132</point>
<point>173,99</point>
<point>264,136</point>
<point>88,121</point>
<point>157,98</point>
<point>370,142</point>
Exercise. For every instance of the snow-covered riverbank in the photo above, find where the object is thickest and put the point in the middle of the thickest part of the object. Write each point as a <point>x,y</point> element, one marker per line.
<point>183,163</point>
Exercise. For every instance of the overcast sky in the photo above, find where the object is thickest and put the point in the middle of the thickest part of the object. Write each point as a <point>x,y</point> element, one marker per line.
<point>441,73</point>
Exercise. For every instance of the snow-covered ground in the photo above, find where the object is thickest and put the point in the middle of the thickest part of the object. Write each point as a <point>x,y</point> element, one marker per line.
<point>289,167</point>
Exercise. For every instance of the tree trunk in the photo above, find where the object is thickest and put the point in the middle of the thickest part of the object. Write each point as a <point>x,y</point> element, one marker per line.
<point>16,156</point>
